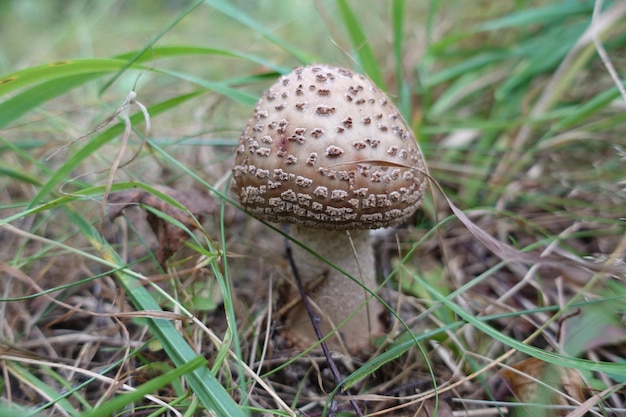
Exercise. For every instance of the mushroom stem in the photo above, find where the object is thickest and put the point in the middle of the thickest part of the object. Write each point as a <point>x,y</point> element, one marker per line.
<point>335,295</point>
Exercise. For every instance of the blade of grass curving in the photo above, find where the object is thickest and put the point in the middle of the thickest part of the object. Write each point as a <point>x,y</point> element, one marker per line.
<point>541,54</point>
<point>57,288</point>
<point>365,54</point>
<point>11,82</point>
<point>118,403</point>
<point>54,397</point>
<point>255,78</point>
<point>220,88</point>
<point>67,387</point>
<point>204,384</point>
<point>22,147</point>
<point>131,61</point>
<point>561,79</point>
<point>473,63</point>
<point>546,356</point>
<point>176,51</point>
<point>18,175</point>
<point>606,124</point>
<point>64,172</point>
<point>22,103</point>
<point>465,85</point>
<point>222,273</point>
<point>409,339</point>
<point>89,193</point>
<point>48,82</point>
<point>586,109</point>
<point>77,387</point>
<point>219,268</point>
<point>397,349</point>
<point>242,17</point>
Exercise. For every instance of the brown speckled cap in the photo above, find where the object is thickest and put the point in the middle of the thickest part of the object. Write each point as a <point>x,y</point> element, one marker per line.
<point>326,149</point>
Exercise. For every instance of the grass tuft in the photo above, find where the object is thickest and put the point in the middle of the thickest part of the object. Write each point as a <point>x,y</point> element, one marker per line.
<point>117,129</point>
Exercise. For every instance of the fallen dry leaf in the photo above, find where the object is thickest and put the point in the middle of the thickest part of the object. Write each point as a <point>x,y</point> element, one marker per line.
<point>530,379</point>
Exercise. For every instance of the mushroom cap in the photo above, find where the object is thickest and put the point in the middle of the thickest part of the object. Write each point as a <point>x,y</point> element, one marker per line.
<point>325,148</point>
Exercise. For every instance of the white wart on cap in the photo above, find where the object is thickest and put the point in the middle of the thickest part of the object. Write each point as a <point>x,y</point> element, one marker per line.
<point>326,149</point>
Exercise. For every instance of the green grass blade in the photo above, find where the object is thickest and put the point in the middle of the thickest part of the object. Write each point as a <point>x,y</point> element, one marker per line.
<point>118,403</point>
<point>365,54</point>
<point>470,64</point>
<point>18,175</point>
<point>402,88</point>
<point>586,109</point>
<point>54,397</point>
<point>536,15</point>
<point>242,17</point>
<point>67,199</point>
<point>204,384</point>
<point>220,88</point>
<point>11,82</point>
<point>22,103</point>
<point>539,55</point>
<point>397,23</point>
<point>12,411</point>
<point>159,35</point>
<point>64,172</point>
<point>546,356</point>
<point>180,51</point>
<point>51,80</point>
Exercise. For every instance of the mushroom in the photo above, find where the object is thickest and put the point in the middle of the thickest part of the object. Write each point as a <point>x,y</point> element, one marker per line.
<point>326,152</point>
